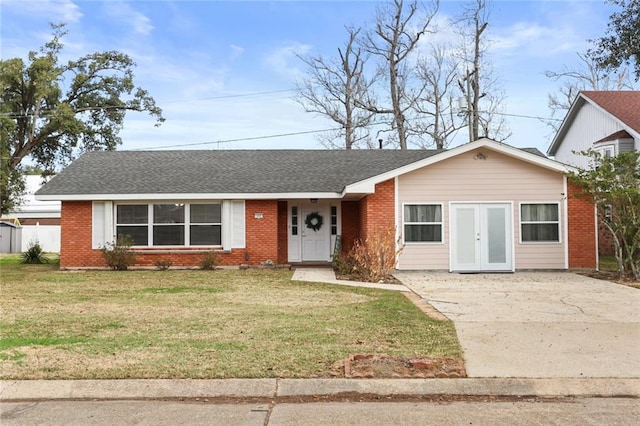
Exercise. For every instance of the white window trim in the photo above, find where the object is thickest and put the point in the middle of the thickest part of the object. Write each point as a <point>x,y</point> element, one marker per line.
<point>441,223</point>
<point>558,222</point>
<point>186,224</point>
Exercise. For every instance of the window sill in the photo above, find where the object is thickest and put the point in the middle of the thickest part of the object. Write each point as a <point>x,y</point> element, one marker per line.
<point>185,250</point>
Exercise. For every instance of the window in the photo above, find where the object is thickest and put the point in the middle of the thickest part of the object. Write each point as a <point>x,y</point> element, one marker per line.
<point>294,220</point>
<point>334,220</point>
<point>423,223</point>
<point>206,225</point>
<point>170,224</point>
<point>540,222</point>
<point>132,220</point>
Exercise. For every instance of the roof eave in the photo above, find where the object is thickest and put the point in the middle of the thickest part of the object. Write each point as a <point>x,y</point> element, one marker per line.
<point>189,196</point>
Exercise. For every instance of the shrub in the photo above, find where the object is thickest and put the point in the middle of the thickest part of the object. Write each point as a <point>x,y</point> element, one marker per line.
<point>118,254</point>
<point>210,260</point>
<point>34,254</point>
<point>164,265</point>
<point>373,259</point>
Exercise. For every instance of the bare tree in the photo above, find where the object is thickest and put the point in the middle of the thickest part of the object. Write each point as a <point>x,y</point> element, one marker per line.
<point>332,88</point>
<point>393,40</point>
<point>585,76</point>
<point>479,84</point>
<point>439,72</point>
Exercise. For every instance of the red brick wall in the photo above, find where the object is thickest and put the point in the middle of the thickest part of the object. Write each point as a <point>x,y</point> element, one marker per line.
<point>283,233</point>
<point>582,230</point>
<point>75,236</point>
<point>261,239</point>
<point>377,209</point>
<point>350,218</point>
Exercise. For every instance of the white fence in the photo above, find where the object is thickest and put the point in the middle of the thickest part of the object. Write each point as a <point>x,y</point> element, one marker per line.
<point>48,236</point>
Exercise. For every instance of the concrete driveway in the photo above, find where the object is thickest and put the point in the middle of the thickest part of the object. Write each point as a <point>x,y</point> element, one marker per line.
<point>537,324</point>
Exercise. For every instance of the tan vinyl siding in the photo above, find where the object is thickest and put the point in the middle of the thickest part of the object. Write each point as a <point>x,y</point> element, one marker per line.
<point>498,178</point>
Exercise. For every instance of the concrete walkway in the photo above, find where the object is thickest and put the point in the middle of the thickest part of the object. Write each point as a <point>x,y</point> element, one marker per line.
<point>327,275</point>
<point>549,325</point>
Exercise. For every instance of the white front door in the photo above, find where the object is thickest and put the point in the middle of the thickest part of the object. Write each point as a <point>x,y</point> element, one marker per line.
<point>309,232</point>
<point>481,237</point>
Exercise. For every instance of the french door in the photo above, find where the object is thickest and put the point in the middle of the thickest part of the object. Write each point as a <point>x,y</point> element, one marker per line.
<point>481,237</point>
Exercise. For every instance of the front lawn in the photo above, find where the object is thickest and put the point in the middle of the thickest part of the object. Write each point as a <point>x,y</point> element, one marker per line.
<point>199,324</point>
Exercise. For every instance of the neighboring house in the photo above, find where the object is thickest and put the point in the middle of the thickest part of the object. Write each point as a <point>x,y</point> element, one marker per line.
<point>607,121</point>
<point>483,206</point>
<point>37,220</point>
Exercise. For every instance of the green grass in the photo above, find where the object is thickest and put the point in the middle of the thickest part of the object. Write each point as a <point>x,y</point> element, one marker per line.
<point>199,324</point>
<point>608,263</point>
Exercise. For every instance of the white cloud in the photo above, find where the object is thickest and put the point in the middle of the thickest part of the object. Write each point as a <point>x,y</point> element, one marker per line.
<point>283,60</point>
<point>537,40</point>
<point>236,51</point>
<point>55,10</point>
<point>127,15</point>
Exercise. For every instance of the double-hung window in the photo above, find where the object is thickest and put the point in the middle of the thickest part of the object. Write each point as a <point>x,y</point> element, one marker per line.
<point>177,224</point>
<point>423,223</point>
<point>540,222</point>
<point>133,220</point>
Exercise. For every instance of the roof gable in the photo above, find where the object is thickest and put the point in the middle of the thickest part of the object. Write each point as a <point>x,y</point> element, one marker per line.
<point>622,105</point>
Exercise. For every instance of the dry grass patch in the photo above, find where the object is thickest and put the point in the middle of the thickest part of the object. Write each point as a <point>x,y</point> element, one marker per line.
<point>199,324</point>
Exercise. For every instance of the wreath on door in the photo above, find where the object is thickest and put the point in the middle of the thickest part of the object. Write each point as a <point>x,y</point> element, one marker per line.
<point>314,221</point>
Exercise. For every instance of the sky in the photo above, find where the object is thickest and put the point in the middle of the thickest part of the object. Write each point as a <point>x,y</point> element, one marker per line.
<point>224,71</point>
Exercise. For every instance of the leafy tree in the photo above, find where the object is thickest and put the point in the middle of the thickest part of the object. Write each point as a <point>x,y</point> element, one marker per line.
<point>621,42</point>
<point>51,111</point>
<point>613,185</point>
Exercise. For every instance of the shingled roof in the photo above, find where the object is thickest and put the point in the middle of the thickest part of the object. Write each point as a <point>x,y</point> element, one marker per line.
<point>622,104</point>
<point>225,171</point>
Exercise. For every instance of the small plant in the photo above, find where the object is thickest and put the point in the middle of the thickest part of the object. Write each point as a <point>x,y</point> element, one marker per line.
<point>118,254</point>
<point>34,254</point>
<point>268,263</point>
<point>374,259</point>
<point>164,265</point>
<point>210,261</point>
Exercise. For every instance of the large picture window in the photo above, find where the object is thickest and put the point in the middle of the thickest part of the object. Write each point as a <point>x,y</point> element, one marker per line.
<point>170,224</point>
<point>423,223</point>
<point>540,222</point>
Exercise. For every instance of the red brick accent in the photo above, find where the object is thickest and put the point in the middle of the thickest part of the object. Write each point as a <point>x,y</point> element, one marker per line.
<point>75,236</point>
<point>262,240</point>
<point>283,234</point>
<point>582,230</point>
<point>350,218</point>
<point>606,246</point>
<point>377,209</point>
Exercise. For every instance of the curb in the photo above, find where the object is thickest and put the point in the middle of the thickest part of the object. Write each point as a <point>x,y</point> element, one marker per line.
<point>20,390</point>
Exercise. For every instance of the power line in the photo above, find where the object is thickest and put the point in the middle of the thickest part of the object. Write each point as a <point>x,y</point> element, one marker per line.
<point>240,95</point>
<point>238,140</point>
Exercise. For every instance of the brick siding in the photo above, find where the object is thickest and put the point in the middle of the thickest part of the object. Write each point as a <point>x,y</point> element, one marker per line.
<point>582,230</point>
<point>377,209</point>
<point>262,242</point>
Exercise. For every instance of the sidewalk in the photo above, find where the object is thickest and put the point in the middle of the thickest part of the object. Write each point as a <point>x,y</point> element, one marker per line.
<point>269,389</point>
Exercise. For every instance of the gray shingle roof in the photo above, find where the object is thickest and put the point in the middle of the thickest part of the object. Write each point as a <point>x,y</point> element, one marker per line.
<point>225,172</point>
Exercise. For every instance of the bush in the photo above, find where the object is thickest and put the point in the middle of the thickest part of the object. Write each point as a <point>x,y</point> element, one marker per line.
<point>164,265</point>
<point>34,254</point>
<point>210,260</point>
<point>374,259</point>
<point>118,255</point>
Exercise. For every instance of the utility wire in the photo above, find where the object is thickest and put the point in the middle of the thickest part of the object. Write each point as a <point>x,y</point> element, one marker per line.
<point>238,140</point>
